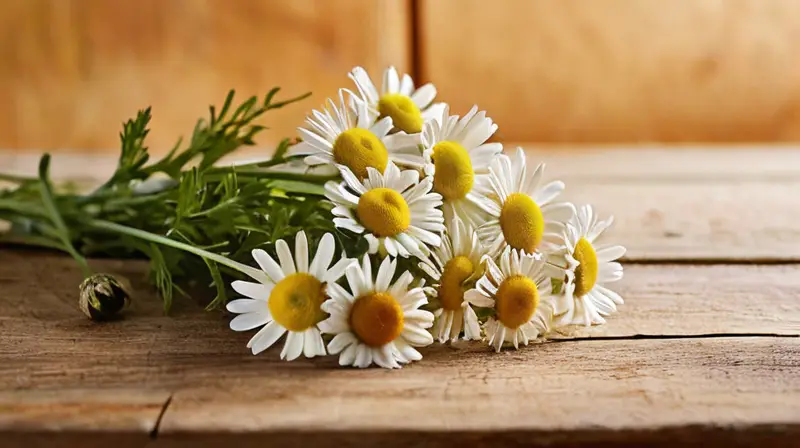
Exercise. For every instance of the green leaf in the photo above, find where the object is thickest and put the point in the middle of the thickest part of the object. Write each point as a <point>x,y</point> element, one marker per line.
<point>221,298</point>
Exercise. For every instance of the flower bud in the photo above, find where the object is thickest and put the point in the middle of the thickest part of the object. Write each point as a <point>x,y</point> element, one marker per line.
<point>102,296</point>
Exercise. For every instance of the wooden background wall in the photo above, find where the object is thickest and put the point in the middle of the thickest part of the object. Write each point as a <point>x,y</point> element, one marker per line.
<point>547,71</point>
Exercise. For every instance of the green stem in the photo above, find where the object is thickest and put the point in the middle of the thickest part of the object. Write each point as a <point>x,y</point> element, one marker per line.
<point>278,175</point>
<point>262,164</point>
<point>256,274</point>
<point>15,178</point>
<point>55,216</point>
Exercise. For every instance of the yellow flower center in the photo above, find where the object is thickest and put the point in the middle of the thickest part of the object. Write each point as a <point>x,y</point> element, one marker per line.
<point>451,285</point>
<point>383,212</point>
<point>454,176</point>
<point>522,222</point>
<point>517,299</point>
<point>586,272</point>
<point>294,302</point>
<point>376,319</point>
<point>359,149</point>
<point>405,114</point>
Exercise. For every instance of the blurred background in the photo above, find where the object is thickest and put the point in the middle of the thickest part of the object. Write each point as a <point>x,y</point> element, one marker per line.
<point>547,71</point>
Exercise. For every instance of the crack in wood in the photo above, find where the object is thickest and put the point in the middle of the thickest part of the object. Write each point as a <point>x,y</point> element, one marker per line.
<point>674,336</point>
<point>157,424</point>
<point>712,261</point>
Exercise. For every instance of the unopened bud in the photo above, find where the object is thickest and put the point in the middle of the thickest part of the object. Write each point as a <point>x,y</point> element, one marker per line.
<point>102,296</point>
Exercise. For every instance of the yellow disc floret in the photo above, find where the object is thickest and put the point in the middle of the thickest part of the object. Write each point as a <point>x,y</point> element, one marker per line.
<point>295,302</point>
<point>359,149</point>
<point>454,176</point>
<point>451,285</point>
<point>586,272</point>
<point>376,319</point>
<point>516,301</point>
<point>383,212</point>
<point>405,114</point>
<point>522,222</point>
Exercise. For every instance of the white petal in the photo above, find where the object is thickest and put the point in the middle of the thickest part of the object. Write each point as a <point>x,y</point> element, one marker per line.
<point>293,346</point>
<point>417,336</point>
<point>301,251</point>
<point>256,291</point>
<point>472,329</point>
<point>610,253</point>
<point>363,356</point>
<point>323,257</point>
<point>337,271</point>
<point>266,337</point>
<point>340,342</point>
<point>268,265</point>
<point>382,127</point>
<point>406,85</point>
<point>474,297</point>
<point>385,274</point>
<point>407,352</point>
<point>348,356</point>
<point>424,96</point>
<point>422,318</point>
<point>311,343</point>
<point>391,81</point>
<point>248,321</point>
<point>285,257</point>
<point>549,192</point>
<point>366,277</point>
<point>242,306</point>
<point>610,294</point>
<point>355,279</point>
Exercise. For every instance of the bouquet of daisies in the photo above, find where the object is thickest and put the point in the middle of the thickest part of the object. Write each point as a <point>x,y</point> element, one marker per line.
<point>388,225</point>
<point>463,240</point>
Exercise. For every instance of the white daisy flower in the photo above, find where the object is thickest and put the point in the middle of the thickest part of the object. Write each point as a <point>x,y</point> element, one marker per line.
<point>585,299</point>
<point>376,322</point>
<point>408,107</point>
<point>458,157</point>
<point>289,299</point>
<point>454,267</point>
<point>348,137</point>
<point>521,211</point>
<point>520,293</point>
<point>395,211</point>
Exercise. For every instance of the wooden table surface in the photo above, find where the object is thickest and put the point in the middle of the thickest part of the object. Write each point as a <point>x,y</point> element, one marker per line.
<point>705,351</point>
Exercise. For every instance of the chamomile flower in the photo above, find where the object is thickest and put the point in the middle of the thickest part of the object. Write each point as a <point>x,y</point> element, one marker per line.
<point>408,107</point>
<point>522,214</point>
<point>396,212</point>
<point>585,299</point>
<point>519,290</point>
<point>454,268</point>
<point>350,137</point>
<point>289,299</point>
<point>376,321</point>
<point>458,157</point>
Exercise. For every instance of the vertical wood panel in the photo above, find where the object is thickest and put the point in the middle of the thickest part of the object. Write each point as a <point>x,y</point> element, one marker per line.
<point>619,70</point>
<point>73,70</point>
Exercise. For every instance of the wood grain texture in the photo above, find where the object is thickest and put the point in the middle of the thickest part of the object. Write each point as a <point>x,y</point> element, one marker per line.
<point>669,204</point>
<point>74,70</point>
<point>39,316</point>
<point>619,70</point>
<point>67,380</point>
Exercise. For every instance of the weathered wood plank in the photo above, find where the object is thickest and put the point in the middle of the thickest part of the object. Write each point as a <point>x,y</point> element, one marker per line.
<point>619,70</point>
<point>84,382</point>
<point>553,388</point>
<point>557,394</point>
<point>676,204</point>
<point>49,344</point>
<point>74,70</point>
